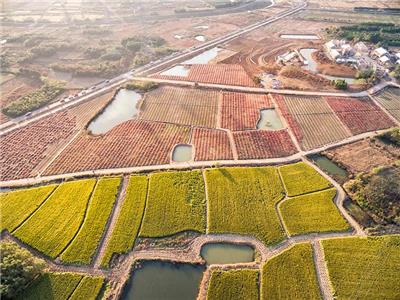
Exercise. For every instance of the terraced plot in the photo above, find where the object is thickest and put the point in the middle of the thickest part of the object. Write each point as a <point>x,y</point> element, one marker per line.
<point>390,100</point>
<point>312,120</point>
<point>129,220</point>
<point>233,284</point>
<point>133,143</point>
<point>290,275</point>
<point>176,202</point>
<point>259,144</point>
<point>17,206</point>
<point>84,245</point>
<point>233,207</point>
<point>241,111</point>
<point>314,212</point>
<point>211,144</point>
<point>181,106</point>
<point>359,114</point>
<point>364,268</point>
<point>54,225</point>
<point>300,178</point>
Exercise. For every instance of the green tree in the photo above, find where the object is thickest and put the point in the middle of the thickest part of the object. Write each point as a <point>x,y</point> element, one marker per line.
<point>340,84</point>
<point>18,268</point>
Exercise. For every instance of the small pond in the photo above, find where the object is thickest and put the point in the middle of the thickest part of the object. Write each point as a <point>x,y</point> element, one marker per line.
<point>163,281</point>
<point>177,71</point>
<point>200,38</point>
<point>202,27</point>
<point>226,253</point>
<point>328,166</point>
<point>182,153</point>
<point>121,109</point>
<point>203,58</point>
<point>312,66</point>
<point>300,36</point>
<point>269,120</point>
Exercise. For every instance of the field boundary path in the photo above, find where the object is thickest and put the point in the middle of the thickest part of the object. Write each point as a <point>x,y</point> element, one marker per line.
<point>322,271</point>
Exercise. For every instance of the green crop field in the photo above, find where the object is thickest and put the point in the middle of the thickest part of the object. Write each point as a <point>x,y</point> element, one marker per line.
<point>314,212</point>
<point>233,284</point>
<point>88,288</point>
<point>18,205</point>
<point>290,275</point>
<point>54,225</point>
<point>83,247</point>
<point>364,268</point>
<point>300,178</point>
<point>242,201</point>
<point>176,203</point>
<point>51,286</point>
<point>129,220</point>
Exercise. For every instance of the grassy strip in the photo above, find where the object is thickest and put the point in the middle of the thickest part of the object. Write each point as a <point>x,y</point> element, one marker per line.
<point>300,178</point>
<point>88,288</point>
<point>364,268</point>
<point>233,284</point>
<point>128,223</point>
<point>290,275</point>
<point>84,246</point>
<point>51,286</point>
<point>242,200</point>
<point>176,202</point>
<point>52,227</point>
<point>18,205</point>
<point>314,212</point>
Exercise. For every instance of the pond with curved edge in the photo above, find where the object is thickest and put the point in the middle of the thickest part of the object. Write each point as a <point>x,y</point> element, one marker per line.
<point>182,153</point>
<point>227,253</point>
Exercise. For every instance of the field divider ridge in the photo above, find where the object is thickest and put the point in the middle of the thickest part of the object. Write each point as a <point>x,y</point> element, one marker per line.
<point>72,292</point>
<point>278,212</point>
<point>144,208</point>
<point>207,199</point>
<point>321,270</point>
<point>233,145</point>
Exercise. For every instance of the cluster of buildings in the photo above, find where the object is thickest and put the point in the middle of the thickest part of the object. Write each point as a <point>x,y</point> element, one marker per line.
<point>362,56</point>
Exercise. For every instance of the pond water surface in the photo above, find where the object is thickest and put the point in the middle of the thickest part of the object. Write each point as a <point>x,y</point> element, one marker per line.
<point>203,58</point>
<point>164,281</point>
<point>119,110</point>
<point>300,36</point>
<point>182,153</point>
<point>327,165</point>
<point>226,253</point>
<point>269,120</point>
<point>200,38</point>
<point>177,71</point>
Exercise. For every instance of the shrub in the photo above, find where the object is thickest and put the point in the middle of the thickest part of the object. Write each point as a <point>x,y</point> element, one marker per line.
<point>340,84</point>
<point>142,86</point>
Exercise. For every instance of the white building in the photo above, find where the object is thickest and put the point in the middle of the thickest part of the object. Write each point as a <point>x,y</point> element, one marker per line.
<point>380,52</point>
<point>361,48</point>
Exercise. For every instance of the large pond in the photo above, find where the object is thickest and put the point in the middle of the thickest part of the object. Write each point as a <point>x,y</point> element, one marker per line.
<point>312,66</point>
<point>182,153</point>
<point>225,253</point>
<point>164,281</point>
<point>121,109</point>
<point>300,36</point>
<point>269,120</point>
<point>328,166</point>
<point>177,71</point>
<point>203,58</point>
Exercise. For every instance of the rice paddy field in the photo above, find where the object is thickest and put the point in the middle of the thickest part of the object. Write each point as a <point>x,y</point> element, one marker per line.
<point>364,268</point>
<point>390,100</point>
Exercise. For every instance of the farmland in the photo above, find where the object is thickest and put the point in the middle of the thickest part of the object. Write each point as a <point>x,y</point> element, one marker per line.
<point>312,120</point>
<point>290,275</point>
<point>300,178</point>
<point>129,220</point>
<point>84,245</point>
<point>181,106</point>
<point>88,288</point>
<point>390,100</point>
<point>233,284</point>
<point>258,144</point>
<point>362,268</point>
<point>240,111</point>
<point>314,212</point>
<point>109,151</point>
<point>187,211</point>
<point>234,208</point>
<point>359,115</point>
<point>18,205</point>
<point>53,226</point>
<point>211,144</point>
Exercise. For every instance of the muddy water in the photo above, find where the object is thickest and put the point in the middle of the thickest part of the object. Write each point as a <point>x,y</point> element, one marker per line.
<point>121,109</point>
<point>225,253</point>
<point>269,120</point>
<point>300,36</point>
<point>312,66</point>
<point>203,58</point>
<point>328,166</point>
<point>177,71</point>
<point>182,153</point>
<point>163,281</point>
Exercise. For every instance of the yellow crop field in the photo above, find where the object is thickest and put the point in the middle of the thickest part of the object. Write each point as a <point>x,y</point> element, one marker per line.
<point>88,288</point>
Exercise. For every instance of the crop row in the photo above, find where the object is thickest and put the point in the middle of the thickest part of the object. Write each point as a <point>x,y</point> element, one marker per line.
<point>211,144</point>
<point>390,100</point>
